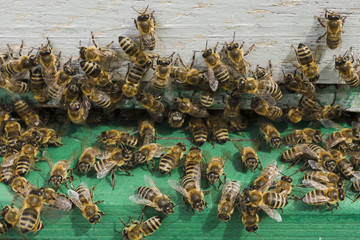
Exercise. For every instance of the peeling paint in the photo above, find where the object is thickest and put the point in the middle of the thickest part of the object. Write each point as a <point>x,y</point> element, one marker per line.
<point>202,5</point>
<point>260,11</point>
<point>266,43</point>
<point>289,3</point>
<point>200,36</point>
<point>227,21</point>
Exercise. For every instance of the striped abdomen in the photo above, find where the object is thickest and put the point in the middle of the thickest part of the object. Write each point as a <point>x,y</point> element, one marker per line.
<point>147,193</point>
<point>199,134</point>
<point>83,191</point>
<point>274,112</point>
<point>304,54</point>
<point>333,40</point>
<point>207,98</point>
<point>100,165</point>
<point>188,182</point>
<point>292,154</point>
<point>55,90</point>
<point>136,74</point>
<point>151,225</point>
<point>167,163</point>
<point>102,99</point>
<point>19,87</point>
<point>353,80</point>
<point>274,200</point>
<point>222,133</point>
<point>22,108</point>
<point>6,173</point>
<point>128,139</point>
<point>221,73</point>
<point>346,168</point>
<point>11,67</point>
<point>128,46</point>
<point>90,68</point>
<point>148,40</point>
<point>4,226</point>
<point>28,220</point>
<point>192,169</point>
<point>356,185</point>
<point>23,165</point>
<point>271,87</point>
<point>311,197</point>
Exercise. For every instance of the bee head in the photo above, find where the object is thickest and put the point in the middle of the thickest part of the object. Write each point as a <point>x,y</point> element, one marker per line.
<point>34,61</point>
<point>223,217</point>
<point>4,210</point>
<point>252,228</point>
<point>182,146</point>
<point>317,136</point>
<point>207,52</point>
<point>143,17</point>
<point>241,84</point>
<point>95,219</point>
<point>69,70</point>
<point>275,141</point>
<point>199,205</point>
<point>82,52</point>
<point>339,61</point>
<point>213,177</point>
<point>195,148</point>
<point>56,180</point>
<point>231,46</point>
<point>168,208</point>
<point>301,45</point>
<point>175,102</point>
<point>163,61</point>
<point>314,79</point>
<point>341,194</point>
<point>333,16</point>
<point>139,157</point>
<point>83,167</point>
<point>287,179</point>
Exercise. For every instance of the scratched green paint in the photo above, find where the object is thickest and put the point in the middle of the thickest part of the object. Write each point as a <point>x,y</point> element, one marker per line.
<point>299,221</point>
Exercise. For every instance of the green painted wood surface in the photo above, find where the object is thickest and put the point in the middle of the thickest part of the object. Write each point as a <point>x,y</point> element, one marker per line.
<point>299,221</point>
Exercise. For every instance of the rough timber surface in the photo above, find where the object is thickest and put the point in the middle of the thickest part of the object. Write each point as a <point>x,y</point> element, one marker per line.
<point>185,26</point>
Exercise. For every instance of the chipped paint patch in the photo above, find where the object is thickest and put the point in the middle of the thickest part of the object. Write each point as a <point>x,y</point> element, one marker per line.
<point>202,5</point>
<point>255,11</point>
<point>266,43</point>
<point>227,21</point>
<point>180,45</point>
<point>289,3</point>
<point>200,36</point>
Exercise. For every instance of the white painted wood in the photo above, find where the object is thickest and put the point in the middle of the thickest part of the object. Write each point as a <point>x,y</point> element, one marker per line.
<point>184,26</point>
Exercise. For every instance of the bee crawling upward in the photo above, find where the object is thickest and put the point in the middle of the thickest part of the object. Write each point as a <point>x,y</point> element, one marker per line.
<point>348,71</point>
<point>145,23</point>
<point>229,195</point>
<point>334,25</point>
<point>308,62</point>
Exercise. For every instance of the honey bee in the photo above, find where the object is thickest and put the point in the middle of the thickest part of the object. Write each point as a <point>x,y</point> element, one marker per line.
<point>62,79</point>
<point>215,168</point>
<point>334,24</point>
<point>152,197</point>
<point>147,131</point>
<point>115,92</point>
<point>147,153</point>
<point>250,221</point>
<point>186,106</point>
<point>18,67</point>
<point>172,158</point>
<point>344,165</point>
<point>326,112</point>
<point>27,158</point>
<point>133,79</point>
<point>308,64</point>
<point>16,86</point>
<point>83,199</point>
<point>218,127</point>
<point>284,186</point>
<point>217,71</point>
<point>190,184</point>
<point>161,78</point>
<point>134,52</point>
<point>29,219</point>
<point>27,114</point>
<point>153,106</point>
<point>207,97</point>
<point>176,118</point>
<point>235,54</point>
<point>21,186</point>
<point>12,133</point>
<point>112,159</point>
<point>5,114</point>
<point>98,54</point>
<point>187,75</point>
<point>263,108</point>
<point>325,160</point>
<point>96,73</point>
<point>56,200</point>
<point>78,111</point>
<point>295,83</point>
<point>231,112</point>
<point>38,86</point>
<point>59,170</point>
<point>88,157</point>
<point>49,62</point>
<point>347,71</point>
<point>10,218</point>
<point>229,195</point>
<point>268,201</point>
<point>267,176</point>
<point>6,173</point>
<point>248,157</point>
<point>318,179</point>
<point>324,195</point>
<point>306,135</point>
<point>345,135</point>
<point>145,23</point>
<point>49,136</point>
<point>272,135</point>
<point>115,137</point>
<point>96,96</point>
<point>136,230</point>
<point>198,130</point>
<point>3,145</point>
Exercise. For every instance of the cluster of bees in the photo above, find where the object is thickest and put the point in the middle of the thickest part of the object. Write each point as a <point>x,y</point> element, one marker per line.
<point>88,83</point>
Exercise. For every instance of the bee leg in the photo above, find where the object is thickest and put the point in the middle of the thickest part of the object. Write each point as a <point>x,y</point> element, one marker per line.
<point>321,37</point>
<point>192,62</point>
<point>319,19</point>
<point>135,22</point>
<point>113,178</point>
<point>248,51</point>
<point>357,198</point>
<point>153,17</point>
<point>97,202</point>
<point>58,60</point>
<point>93,40</point>
<point>187,204</point>
<point>316,208</point>
<point>11,51</point>
<point>21,47</point>
<point>331,208</point>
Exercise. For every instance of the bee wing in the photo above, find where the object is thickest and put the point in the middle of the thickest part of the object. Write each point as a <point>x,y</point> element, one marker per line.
<point>206,156</point>
<point>149,180</point>
<point>86,104</point>
<point>305,149</point>
<point>226,154</point>
<point>156,116</point>
<point>10,160</point>
<point>159,150</point>
<point>315,165</point>
<point>319,199</point>
<point>331,124</point>
<point>318,53</point>
<point>313,184</point>
<point>356,174</point>
<point>136,198</point>
<point>108,166</point>
<point>174,184</point>
<point>329,144</point>
<point>266,96</point>
<point>234,191</point>
<point>74,198</point>
<point>213,82</point>
<point>237,145</point>
<point>272,213</point>
<point>74,155</point>
<point>355,124</point>
<point>63,203</point>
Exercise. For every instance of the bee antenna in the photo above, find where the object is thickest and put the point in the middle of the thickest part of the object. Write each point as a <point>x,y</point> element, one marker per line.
<point>333,102</point>
<point>283,72</point>
<point>234,37</point>
<point>1,205</point>
<point>349,198</point>
<point>122,222</point>
<point>206,44</point>
<point>94,229</point>
<point>136,10</point>
<point>258,235</point>
<point>146,8</point>
<point>246,236</point>
<point>104,225</point>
